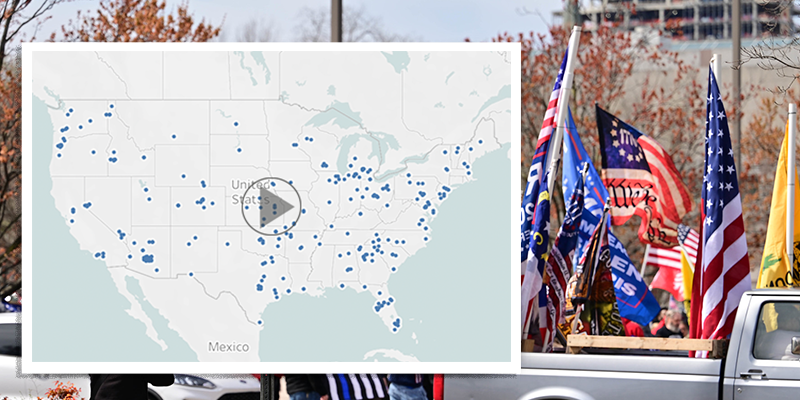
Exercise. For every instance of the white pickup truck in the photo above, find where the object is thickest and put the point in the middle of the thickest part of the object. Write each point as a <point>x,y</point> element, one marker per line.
<point>760,364</point>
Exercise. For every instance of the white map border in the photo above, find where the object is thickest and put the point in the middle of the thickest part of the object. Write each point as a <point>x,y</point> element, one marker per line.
<point>31,367</point>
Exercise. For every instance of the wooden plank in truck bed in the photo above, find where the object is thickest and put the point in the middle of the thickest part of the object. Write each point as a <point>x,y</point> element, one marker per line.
<point>716,348</point>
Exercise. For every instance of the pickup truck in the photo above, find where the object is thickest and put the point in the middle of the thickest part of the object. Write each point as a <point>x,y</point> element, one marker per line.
<point>758,365</point>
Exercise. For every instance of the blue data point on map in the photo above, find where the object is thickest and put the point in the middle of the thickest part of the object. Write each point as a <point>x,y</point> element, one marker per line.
<point>191,273</point>
<point>87,205</point>
<point>90,120</point>
<point>235,123</point>
<point>144,157</point>
<point>174,136</point>
<point>94,152</point>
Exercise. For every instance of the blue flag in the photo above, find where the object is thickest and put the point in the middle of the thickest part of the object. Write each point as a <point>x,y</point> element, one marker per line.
<point>537,251</point>
<point>634,299</point>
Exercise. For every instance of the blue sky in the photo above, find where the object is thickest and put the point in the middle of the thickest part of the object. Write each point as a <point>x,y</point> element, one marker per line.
<point>428,20</point>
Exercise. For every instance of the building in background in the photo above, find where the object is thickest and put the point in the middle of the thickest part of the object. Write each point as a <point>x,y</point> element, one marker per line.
<point>687,19</point>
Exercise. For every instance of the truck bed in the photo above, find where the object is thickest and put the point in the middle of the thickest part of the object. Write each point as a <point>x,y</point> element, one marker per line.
<point>590,376</point>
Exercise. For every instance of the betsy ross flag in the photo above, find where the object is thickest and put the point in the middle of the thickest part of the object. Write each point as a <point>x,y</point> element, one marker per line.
<point>722,273</point>
<point>675,265</point>
<point>641,180</point>
<point>558,269</point>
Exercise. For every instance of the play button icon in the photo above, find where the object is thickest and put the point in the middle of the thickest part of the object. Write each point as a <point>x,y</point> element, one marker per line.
<point>271,206</point>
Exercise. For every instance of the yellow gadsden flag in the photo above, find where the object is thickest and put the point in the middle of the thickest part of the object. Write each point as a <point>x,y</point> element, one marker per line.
<point>775,270</point>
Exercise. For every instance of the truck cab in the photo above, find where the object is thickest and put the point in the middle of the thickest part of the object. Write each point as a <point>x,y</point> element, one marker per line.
<point>765,362</point>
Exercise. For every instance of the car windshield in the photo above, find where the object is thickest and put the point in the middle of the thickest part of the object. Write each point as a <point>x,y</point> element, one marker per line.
<point>9,340</point>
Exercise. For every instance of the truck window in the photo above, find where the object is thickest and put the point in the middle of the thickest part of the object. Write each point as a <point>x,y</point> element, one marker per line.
<point>9,341</point>
<point>778,322</point>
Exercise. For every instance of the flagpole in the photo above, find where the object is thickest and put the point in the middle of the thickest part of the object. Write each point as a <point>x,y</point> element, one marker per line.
<point>715,61</point>
<point>644,260</point>
<point>790,176</point>
<point>563,104</point>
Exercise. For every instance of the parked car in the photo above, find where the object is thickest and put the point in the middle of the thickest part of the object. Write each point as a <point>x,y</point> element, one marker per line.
<point>30,387</point>
<point>758,365</point>
<point>27,387</point>
<point>218,387</point>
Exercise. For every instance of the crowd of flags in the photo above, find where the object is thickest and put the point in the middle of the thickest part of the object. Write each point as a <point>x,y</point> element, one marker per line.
<point>585,283</point>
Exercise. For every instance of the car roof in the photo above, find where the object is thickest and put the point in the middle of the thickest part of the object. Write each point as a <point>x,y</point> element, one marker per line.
<point>774,292</point>
<point>8,318</point>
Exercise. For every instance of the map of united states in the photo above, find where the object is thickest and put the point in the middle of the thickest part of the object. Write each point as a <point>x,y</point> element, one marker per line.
<point>234,180</point>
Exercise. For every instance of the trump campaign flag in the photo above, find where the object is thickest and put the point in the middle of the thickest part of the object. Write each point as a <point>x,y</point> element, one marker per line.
<point>634,299</point>
<point>594,292</point>
<point>534,270</point>
<point>558,269</point>
<point>642,180</point>
<point>722,273</point>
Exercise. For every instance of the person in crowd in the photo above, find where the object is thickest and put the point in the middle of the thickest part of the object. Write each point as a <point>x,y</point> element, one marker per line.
<point>632,328</point>
<point>350,386</point>
<point>406,387</point>
<point>305,386</point>
<point>672,325</point>
<point>125,387</point>
<point>658,321</point>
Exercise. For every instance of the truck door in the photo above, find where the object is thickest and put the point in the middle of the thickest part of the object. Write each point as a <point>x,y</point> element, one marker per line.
<point>765,366</point>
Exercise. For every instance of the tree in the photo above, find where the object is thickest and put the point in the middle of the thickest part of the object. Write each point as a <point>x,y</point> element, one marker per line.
<point>357,26</point>
<point>16,15</point>
<point>137,21</point>
<point>257,30</point>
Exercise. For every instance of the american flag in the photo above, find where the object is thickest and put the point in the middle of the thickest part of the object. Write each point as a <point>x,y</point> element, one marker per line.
<point>641,180</point>
<point>531,194</point>
<point>669,276</point>
<point>538,165</point>
<point>722,273</point>
<point>688,240</point>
